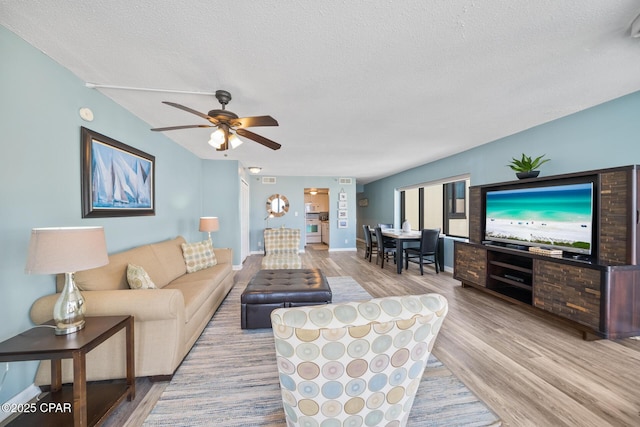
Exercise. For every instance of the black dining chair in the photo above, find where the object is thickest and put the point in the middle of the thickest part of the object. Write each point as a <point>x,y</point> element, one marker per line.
<point>370,247</point>
<point>427,252</point>
<point>387,239</point>
<point>385,247</point>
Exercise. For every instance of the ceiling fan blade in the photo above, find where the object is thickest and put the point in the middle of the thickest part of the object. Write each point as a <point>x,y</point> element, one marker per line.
<point>192,111</point>
<point>181,127</point>
<point>247,122</point>
<point>259,139</point>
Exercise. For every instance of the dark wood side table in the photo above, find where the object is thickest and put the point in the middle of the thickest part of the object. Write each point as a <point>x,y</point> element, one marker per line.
<point>89,403</point>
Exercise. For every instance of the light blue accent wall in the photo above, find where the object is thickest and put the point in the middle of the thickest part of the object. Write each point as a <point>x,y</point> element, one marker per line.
<point>293,188</point>
<point>221,198</point>
<point>40,178</point>
<point>604,136</point>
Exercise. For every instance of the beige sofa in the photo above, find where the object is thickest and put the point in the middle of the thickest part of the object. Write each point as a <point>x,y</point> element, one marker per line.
<point>168,320</point>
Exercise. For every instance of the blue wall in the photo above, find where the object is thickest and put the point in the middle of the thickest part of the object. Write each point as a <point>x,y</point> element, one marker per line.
<point>221,182</point>
<point>604,136</point>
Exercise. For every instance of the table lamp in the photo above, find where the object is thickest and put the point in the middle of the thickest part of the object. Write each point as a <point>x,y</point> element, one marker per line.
<point>67,250</point>
<point>267,218</point>
<point>209,224</point>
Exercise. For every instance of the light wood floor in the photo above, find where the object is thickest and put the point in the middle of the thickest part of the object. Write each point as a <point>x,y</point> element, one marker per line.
<point>528,369</point>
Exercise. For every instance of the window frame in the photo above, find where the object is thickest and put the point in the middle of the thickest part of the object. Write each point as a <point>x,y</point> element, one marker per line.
<point>451,182</point>
<point>450,204</point>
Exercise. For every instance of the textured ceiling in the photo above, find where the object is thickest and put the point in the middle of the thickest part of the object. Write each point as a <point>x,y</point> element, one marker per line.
<point>360,88</point>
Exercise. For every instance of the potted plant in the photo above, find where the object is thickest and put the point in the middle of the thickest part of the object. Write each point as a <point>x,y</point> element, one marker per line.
<point>526,167</point>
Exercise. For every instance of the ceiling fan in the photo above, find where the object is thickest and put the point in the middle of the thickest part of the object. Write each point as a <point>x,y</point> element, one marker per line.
<point>227,123</point>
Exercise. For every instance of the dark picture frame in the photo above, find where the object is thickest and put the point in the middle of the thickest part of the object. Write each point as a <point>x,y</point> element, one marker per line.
<point>117,179</point>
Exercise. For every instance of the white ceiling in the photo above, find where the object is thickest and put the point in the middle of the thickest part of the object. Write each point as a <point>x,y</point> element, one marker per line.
<point>360,88</point>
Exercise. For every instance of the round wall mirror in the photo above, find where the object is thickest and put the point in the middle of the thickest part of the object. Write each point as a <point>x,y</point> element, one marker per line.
<point>277,205</point>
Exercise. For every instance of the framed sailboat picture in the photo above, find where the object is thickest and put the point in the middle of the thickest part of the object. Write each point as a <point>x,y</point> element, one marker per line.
<point>117,180</point>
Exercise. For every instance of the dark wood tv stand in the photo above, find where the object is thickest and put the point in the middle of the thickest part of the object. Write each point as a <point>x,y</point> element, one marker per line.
<point>598,295</point>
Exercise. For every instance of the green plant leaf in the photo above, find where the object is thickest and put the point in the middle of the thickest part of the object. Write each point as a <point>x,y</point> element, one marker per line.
<point>526,164</point>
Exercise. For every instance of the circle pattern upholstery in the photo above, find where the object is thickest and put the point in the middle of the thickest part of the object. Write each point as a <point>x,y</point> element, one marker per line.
<point>355,364</point>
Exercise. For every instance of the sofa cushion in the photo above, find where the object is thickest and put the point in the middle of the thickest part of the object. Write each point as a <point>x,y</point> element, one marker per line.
<point>138,278</point>
<point>162,261</point>
<point>281,261</point>
<point>113,276</point>
<point>198,256</point>
<point>170,263</point>
<point>192,286</point>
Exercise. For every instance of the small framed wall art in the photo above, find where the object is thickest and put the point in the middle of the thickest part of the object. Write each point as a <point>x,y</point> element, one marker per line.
<point>117,180</point>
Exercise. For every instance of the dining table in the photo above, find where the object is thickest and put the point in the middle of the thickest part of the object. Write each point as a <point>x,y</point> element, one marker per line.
<point>402,237</point>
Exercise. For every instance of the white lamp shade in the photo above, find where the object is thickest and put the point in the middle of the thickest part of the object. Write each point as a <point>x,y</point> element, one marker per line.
<point>66,250</point>
<point>209,223</point>
<point>217,138</point>
<point>234,141</point>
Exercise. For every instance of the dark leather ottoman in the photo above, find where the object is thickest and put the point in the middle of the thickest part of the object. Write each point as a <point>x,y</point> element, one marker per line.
<point>271,289</point>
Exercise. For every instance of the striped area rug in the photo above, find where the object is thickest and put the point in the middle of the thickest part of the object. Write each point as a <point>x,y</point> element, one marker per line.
<point>230,379</point>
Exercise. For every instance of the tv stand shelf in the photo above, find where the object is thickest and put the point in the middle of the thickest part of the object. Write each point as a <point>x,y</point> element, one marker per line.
<point>514,283</point>
<point>507,271</point>
<point>598,294</point>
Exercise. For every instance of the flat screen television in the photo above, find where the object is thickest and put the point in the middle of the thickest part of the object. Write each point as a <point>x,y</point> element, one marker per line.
<point>559,216</point>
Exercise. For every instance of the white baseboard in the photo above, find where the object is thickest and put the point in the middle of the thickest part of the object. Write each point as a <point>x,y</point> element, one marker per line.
<point>342,249</point>
<point>23,397</point>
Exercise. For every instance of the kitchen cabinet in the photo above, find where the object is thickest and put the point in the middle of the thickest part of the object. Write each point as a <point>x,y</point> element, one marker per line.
<point>323,202</point>
<point>325,232</point>
<point>316,203</point>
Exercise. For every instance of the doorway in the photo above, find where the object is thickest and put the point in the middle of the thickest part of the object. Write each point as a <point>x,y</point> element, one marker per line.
<point>316,211</point>
<point>244,220</point>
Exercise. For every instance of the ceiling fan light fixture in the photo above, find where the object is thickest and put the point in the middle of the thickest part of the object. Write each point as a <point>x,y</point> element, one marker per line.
<point>217,138</point>
<point>234,141</point>
<point>254,169</point>
<point>214,144</point>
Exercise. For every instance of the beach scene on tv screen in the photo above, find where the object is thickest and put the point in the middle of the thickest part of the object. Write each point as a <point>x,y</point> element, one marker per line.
<point>559,216</point>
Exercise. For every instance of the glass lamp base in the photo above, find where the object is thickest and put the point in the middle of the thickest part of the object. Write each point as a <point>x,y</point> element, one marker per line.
<point>68,312</point>
<point>69,328</point>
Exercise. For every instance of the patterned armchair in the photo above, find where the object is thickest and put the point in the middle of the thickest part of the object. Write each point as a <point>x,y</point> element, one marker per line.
<point>357,363</point>
<point>281,247</point>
